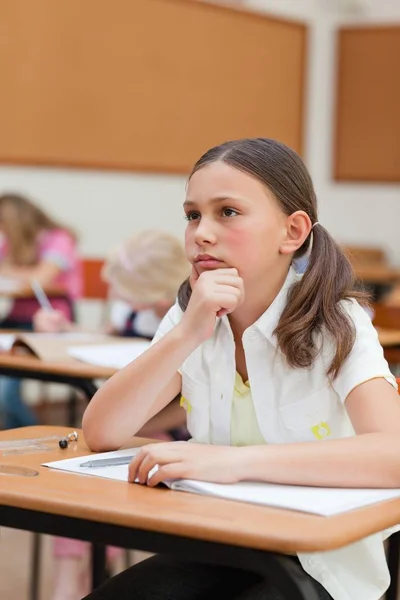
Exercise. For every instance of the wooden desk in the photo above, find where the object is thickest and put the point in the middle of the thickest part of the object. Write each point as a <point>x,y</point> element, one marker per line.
<point>177,523</point>
<point>70,372</point>
<point>388,337</point>
<point>377,279</point>
<point>377,274</point>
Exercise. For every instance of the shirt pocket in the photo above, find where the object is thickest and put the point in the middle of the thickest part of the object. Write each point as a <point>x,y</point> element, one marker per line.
<point>196,402</point>
<point>309,419</point>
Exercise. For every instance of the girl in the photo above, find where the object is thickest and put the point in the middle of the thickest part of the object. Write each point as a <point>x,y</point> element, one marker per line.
<point>282,375</point>
<point>143,275</point>
<point>33,246</point>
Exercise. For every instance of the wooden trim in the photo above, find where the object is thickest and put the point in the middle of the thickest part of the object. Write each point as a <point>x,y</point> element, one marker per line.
<point>243,11</point>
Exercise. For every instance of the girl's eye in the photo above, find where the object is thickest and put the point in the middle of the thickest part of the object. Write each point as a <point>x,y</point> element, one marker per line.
<point>192,216</point>
<point>229,212</point>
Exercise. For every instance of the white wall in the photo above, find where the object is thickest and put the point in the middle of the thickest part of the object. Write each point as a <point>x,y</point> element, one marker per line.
<point>354,213</point>
<point>106,207</point>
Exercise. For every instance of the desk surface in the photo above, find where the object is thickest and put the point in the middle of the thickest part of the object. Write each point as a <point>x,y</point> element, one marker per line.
<point>377,274</point>
<point>388,337</point>
<point>176,513</point>
<point>69,367</point>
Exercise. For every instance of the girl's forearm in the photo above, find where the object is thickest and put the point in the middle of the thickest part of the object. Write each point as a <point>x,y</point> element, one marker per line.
<point>136,393</point>
<point>371,460</point>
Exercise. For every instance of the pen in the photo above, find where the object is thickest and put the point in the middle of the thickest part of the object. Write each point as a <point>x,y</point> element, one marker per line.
<point>40,295</point>
<point>108,462</point>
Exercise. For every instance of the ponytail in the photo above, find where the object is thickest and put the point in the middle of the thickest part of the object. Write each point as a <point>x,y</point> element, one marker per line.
<point>314,304</point>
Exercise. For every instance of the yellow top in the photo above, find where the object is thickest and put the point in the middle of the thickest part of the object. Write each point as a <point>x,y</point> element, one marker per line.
<point>244,425</point>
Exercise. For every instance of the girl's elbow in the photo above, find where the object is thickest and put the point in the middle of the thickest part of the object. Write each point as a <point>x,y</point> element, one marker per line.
<point>97,435</point>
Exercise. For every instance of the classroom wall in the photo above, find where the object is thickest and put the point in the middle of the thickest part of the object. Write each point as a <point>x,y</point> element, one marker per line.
<point>351,212</point>
<point>106,207</point>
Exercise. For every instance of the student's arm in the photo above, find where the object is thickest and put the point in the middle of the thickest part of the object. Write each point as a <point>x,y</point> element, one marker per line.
<point>371,459</point>
<point>52,321</point>
<point>139,391</point>
<point>173,416</point>
<point>135,394</point>
<point>45,272</point>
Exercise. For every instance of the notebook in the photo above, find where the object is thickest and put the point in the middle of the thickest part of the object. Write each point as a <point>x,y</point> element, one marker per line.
<point>54,346</point>
<point>321,501</point>
<point>116,355</point>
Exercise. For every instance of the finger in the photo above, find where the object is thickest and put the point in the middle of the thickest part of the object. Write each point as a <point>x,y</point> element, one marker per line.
<point>236,282</point>
<point>155,454</point>
<point>231,271</point>
<point>134,466</point>
<point>170,471</point>
<point>227,302</point>
<point>194,275</point>
<point>137,460</point>
<point>226,290</point>
<point>147,464</point>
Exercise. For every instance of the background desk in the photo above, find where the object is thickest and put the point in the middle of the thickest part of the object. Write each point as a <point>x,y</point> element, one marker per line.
<point>70,372</point>
<point>388,337</point>
<point>161,520</point>
<point>378,279</point>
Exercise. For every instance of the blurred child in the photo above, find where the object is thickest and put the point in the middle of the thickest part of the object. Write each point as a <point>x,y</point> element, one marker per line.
<point>33,247</point>
<point>144,275</point>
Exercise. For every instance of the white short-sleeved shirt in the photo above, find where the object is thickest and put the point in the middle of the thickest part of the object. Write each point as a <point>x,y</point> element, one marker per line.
<point>146,322</point>
<point>291,405</point>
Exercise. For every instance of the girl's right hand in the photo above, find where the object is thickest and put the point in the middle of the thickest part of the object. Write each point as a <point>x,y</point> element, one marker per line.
<point>214,294</point>
<point>50,321</point>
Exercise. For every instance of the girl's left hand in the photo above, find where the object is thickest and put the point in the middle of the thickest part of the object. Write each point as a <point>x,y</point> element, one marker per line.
<point>183,460</point>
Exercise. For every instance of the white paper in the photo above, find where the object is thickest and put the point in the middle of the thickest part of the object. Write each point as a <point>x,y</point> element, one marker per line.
<point>72,465</point>
<point>6,341</point>
<point>114,356</point>
<point>320,501</point>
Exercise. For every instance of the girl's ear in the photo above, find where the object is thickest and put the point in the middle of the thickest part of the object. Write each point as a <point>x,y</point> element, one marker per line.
<point>298,227</point>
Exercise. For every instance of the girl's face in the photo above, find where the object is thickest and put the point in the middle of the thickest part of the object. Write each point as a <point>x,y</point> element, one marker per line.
<point>233,221</point>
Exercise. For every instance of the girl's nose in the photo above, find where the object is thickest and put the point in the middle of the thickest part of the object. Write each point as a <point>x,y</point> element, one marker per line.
<point>205,233</point>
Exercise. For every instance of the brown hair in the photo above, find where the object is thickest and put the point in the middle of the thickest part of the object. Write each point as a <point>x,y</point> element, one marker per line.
<point>22,222</point>
<point>314,302</point>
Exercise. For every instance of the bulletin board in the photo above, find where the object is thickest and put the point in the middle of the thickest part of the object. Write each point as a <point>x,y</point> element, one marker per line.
<point>367,146</point>
<point>143,85</point>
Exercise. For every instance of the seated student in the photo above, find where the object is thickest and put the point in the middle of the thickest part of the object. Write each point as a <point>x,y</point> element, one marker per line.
<point>144,275</point>
<point>34,247</point>
<point>321,406</point>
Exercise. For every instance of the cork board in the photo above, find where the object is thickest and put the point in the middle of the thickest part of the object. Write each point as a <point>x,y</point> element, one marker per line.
<point>146,85</point>
<point>367,146</point>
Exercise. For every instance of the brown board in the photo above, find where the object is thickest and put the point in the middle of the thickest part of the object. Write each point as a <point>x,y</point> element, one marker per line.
<point>367,146</point>
<point>143,85</point>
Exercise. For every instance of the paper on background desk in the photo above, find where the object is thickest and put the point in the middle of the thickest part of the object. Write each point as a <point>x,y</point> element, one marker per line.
<point>114,356</point>
<point>321,501</point>
<point>6,341</point>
